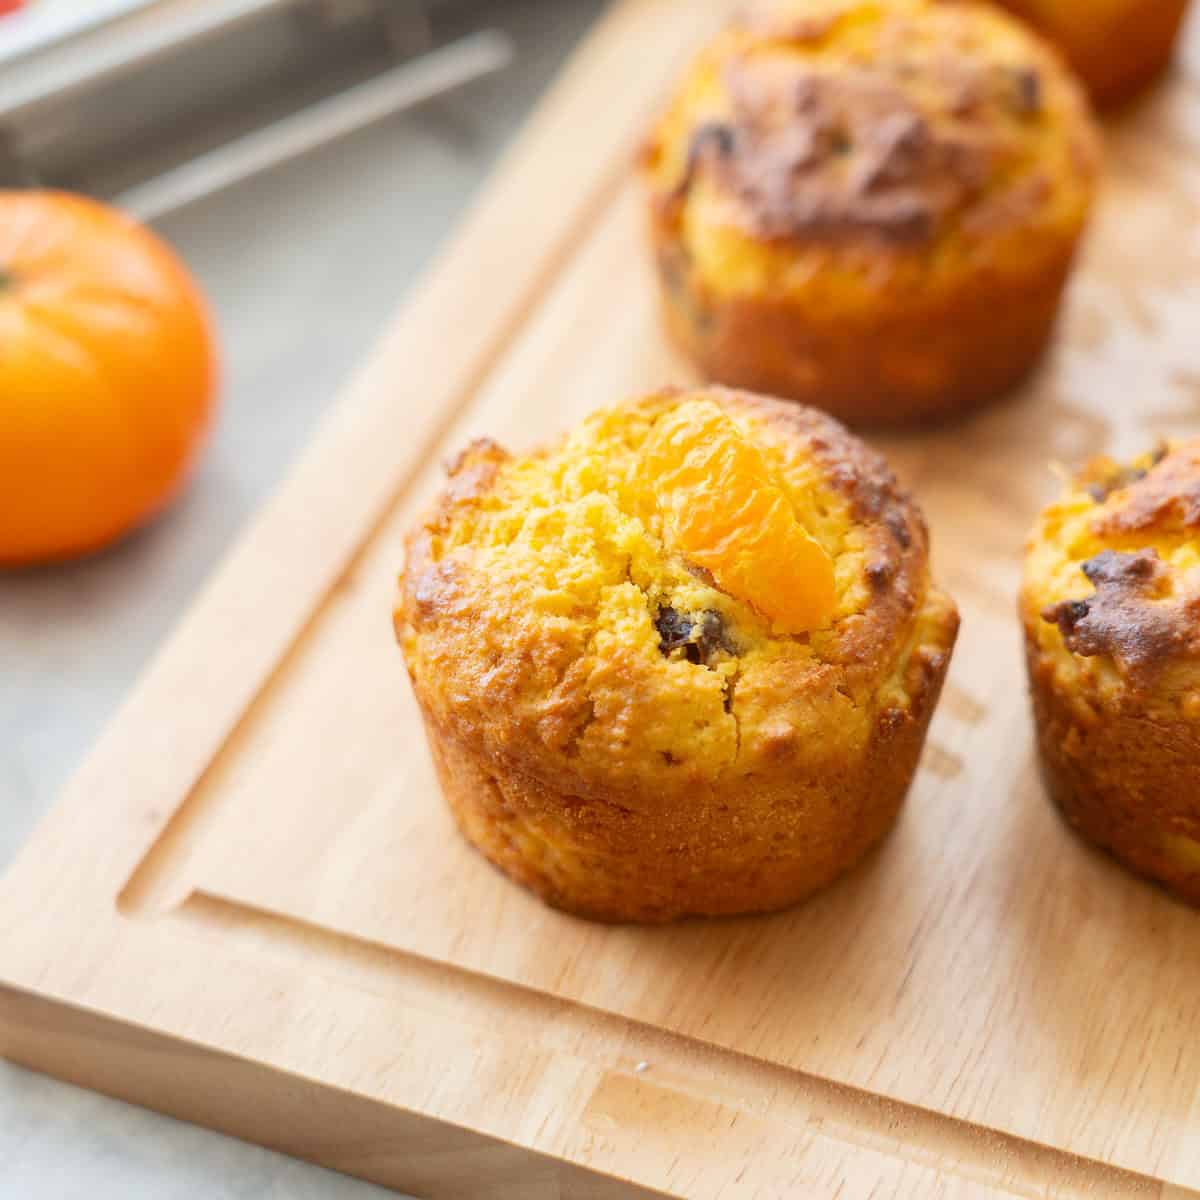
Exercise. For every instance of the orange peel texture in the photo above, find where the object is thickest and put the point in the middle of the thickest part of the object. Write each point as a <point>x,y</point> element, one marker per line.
<point>722,511</point>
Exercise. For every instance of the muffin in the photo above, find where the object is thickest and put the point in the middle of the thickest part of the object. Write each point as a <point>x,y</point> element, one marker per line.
<point>681,661</point>
<point>1116,46</point>
<point>1111,608</point>
<point>870,207</point>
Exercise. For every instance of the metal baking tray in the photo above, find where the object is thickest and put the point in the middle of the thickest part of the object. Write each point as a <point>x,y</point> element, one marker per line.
<point>158,103</point>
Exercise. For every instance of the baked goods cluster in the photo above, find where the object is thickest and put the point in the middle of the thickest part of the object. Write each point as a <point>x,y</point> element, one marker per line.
<point>683,661</point>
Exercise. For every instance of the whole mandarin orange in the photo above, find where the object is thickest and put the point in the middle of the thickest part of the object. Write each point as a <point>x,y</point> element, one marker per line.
<point>108,375</point>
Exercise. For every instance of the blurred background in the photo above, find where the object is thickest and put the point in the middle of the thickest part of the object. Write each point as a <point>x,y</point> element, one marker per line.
<point>282,147</point>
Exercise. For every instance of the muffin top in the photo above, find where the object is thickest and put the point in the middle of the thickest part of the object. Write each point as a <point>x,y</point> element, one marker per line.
<point>1112,582</point>
<point>685,586</point>
<point>869,136</point>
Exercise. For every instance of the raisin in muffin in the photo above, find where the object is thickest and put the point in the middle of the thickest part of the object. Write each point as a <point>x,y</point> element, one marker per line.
<point>1116,46</point>
<point>681,662</point>
<point>870,207</point>
<point>1111,608</point>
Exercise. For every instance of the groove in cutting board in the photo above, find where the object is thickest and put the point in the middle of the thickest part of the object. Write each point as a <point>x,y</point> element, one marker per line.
<point>149,886</point>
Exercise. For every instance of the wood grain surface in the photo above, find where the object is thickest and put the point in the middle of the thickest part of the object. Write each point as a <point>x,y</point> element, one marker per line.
<point>252,911</point>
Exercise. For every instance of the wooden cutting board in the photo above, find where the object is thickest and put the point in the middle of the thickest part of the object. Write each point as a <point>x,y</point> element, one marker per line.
<point>251,910</point>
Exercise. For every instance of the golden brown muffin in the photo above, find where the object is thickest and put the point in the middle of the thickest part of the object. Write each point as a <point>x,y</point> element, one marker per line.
<point>1111,608</point>
<point>1116,46</point>
<point>870,206</point>
<point>681,662</point>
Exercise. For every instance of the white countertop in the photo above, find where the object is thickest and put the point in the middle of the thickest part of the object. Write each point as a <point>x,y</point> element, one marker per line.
<point>304,272</point>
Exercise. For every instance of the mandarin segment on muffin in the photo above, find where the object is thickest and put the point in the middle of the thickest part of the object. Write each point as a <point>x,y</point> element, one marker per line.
<point>1116,46</point>
<point>681,662</point>
<point>1111,610</point>
<point>868,206</point>
<point>721,509</point>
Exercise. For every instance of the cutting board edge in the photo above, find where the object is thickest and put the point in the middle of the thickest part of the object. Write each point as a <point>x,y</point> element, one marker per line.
<point>619,1080</point>
<point>240,1098</point>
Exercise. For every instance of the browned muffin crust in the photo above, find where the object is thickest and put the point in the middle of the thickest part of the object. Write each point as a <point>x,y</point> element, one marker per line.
<point>932,359</point>
<point>436,603</point>
<point>1115,671</point>
<point>871,209</point>
<point>539,733</point>
<point>840,155</point>
<point>1164,497</point>
<point>1126,778</point>
<point>1103,476</point>
<point>1129,617</point>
